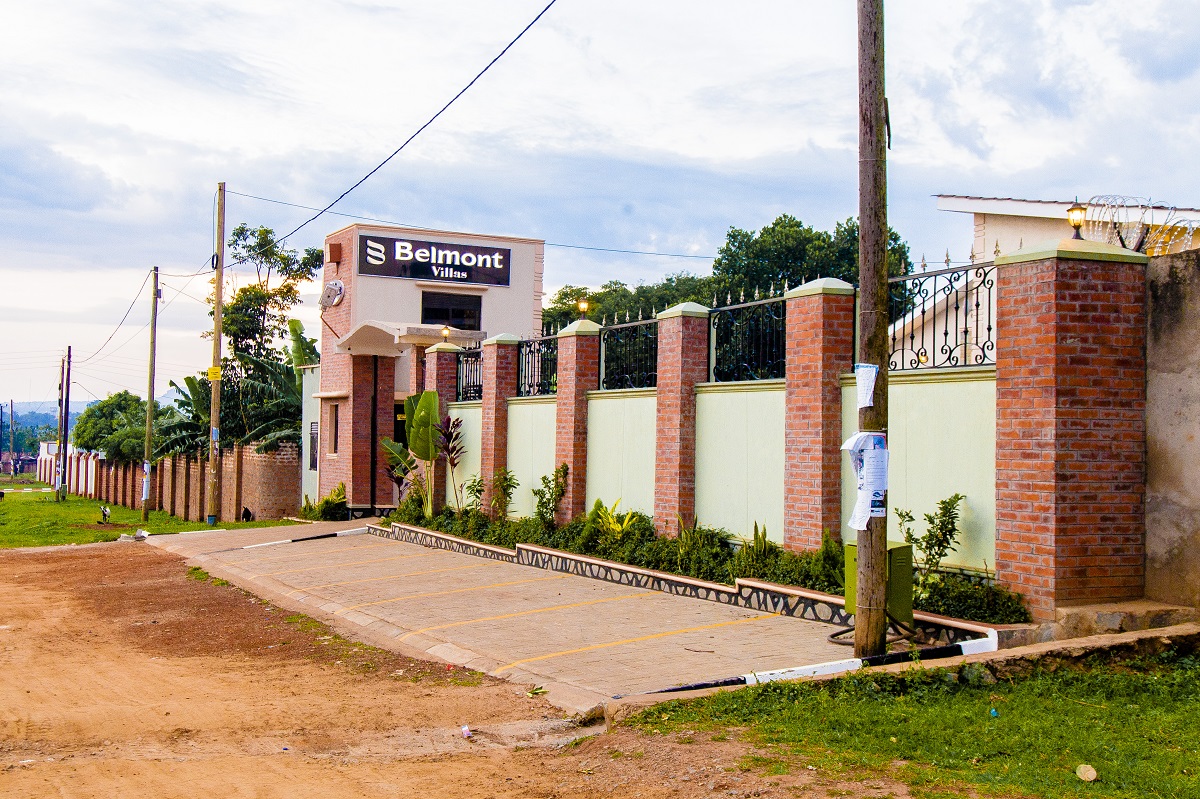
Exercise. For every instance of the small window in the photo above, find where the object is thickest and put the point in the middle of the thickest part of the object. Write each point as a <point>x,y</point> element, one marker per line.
<point>333,428</point>
<point>460,311</point>
<point>314,444</point>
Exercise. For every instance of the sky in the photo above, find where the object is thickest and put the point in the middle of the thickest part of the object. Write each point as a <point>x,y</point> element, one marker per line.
<point>617,124</point>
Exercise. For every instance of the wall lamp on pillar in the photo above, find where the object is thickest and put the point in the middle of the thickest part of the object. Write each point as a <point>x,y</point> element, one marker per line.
<point>1075,215</point>
<point>445,332</point>
<point>583,306</point>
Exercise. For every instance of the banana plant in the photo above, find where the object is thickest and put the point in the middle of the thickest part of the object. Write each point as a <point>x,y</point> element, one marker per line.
<point>424,447</point>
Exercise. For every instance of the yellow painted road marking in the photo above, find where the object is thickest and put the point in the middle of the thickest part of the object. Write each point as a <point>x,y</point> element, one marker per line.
<point>352,563</point>
<point>456,591</point>
<point>528,613</point>
<point>306,554</point>
<point>393,576</point>
<point>666,634</point>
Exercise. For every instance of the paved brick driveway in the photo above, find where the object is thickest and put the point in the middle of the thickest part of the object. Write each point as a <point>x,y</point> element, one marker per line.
<point>585,640</point>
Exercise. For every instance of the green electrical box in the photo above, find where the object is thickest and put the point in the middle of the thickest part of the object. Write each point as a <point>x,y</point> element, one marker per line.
<point>899,580</point>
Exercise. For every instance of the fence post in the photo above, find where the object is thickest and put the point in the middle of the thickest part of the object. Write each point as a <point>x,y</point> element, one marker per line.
<point>441,375</point>
<point>819,344</point>
<point>499,364</point>
<point>1071,424</point>
<point>682,364</point>
<point>578,373</point>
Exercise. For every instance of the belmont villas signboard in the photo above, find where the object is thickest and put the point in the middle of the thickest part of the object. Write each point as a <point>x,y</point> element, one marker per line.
<point>430,260</point>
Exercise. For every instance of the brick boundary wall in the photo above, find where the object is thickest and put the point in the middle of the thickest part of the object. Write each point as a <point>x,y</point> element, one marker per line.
<point>1070,425</point>
<point>682,365</point>
<point>441,375</point>
<point>578,373</point>
<point>820,342</point>
<point>499,385</point>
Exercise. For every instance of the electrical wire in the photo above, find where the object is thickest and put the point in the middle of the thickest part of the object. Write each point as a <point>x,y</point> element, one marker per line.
<point>406,142</point>
<point>422,227</point>
<point>118,327</point>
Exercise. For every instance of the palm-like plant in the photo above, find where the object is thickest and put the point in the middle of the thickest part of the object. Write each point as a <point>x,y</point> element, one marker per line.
<point>276,399</point>
<point>186,428</point>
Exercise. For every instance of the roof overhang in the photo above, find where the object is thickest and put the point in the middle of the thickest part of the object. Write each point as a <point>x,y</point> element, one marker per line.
<point>390,340</point>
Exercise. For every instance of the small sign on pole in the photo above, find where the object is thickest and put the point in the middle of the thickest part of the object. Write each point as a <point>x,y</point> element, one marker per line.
<point>214,374</point>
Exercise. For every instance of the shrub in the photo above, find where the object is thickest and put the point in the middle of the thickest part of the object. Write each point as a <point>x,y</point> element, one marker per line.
<point>332,508</point>
<point>504,483</point>
<point>957,597</point>
<point>941,536</point>
<point>704,552</point>
<point>820,570</point>
<point>757,558</point>
<point>549,496</point>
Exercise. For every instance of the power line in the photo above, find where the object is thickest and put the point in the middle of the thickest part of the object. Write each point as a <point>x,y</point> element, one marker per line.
<point>422,227</point>
<point>118,327</point>
<point>407,141</point>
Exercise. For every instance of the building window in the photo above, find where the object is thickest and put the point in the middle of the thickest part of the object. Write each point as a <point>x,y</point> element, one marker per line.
<point>333,428</point>
<point>314,444</point>
<point>460,311</point>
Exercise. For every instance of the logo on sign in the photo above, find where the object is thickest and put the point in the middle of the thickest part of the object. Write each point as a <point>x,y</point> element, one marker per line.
<point>429,260</point>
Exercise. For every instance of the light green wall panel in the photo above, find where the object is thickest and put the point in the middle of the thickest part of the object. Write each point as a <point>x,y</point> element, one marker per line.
<point>531,429</point>
<point>620,460</point>
<point>739,458</point>
<point>942,438</point>
<point>471,414</point>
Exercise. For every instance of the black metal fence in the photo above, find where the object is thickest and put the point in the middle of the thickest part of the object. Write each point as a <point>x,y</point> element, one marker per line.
<point>537,366</point>
<point>944,318</point>
<point>629,355</point>
<point>470,375</point>
<point>748,341</point>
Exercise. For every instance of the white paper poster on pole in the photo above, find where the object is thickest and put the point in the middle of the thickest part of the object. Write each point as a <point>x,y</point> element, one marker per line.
<point>869,457</point>
<point>864,383</point>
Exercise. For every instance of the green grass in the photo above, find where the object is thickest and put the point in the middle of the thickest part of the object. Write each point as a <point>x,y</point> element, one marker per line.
<point>35,519</point>
<point>1136,723</point>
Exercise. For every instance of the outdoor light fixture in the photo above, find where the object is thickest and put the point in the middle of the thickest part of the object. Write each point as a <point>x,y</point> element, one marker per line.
<point>583,306</point>
<point>445,332</point>
<point>1075,215</point>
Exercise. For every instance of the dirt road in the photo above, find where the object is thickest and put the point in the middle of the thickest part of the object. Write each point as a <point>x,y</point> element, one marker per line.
<point>120,675</point>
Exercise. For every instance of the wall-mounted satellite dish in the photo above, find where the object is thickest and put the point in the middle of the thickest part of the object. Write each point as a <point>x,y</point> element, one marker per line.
<point>334,293</point>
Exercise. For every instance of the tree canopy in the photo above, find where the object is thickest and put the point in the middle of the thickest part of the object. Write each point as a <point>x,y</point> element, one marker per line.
<point>786,252</point>
<point>254,319</point>
<point>115,425</point>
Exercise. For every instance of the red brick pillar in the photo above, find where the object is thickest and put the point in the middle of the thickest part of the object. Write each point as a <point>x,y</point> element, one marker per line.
<point>441,375</point>
<point>578,373</point>
<point>682,364</point>
<point>416,375</point>
<point>499,385</point>
<point>1071,424</point>
<point>820,344</point>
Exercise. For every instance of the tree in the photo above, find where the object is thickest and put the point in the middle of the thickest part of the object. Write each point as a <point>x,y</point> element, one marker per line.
<point>784,253</point>
<point>254,319</point>
<point>101,419</point>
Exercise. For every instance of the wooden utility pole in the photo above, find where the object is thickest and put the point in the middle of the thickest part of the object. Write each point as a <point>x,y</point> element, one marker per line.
<point>148,453</point>
<point>870,622</point>
<point>12,437</point>
<point>62,368</point>
<point>214,374</point>
<point>65,436</point>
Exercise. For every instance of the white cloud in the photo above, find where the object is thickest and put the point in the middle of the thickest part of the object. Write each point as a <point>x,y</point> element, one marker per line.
<point>625,124</point>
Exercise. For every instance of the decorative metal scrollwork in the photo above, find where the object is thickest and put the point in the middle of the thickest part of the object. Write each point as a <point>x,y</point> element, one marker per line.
<point>944,318</point>
<point>470,375</point>
<point>537,367</point>
<point>629,355</point>
<point>748,341</point>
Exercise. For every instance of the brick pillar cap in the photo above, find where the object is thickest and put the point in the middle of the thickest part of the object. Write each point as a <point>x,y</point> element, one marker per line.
<point>1073,250</point>
<point>580,327</point>
<point>444,346</point>
<point>684,309</point>
<point>822,285</point>
<point>502,338</point>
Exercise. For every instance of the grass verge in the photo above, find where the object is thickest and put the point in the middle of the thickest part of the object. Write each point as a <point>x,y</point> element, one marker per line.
<point>1135,723</point>
<point>35,519</point>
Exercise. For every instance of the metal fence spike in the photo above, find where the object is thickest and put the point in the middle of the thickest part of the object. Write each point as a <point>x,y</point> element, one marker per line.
<point>947,259</point>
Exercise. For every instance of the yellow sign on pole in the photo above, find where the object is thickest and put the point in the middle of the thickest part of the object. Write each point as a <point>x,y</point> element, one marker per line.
<point>214,373</point>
